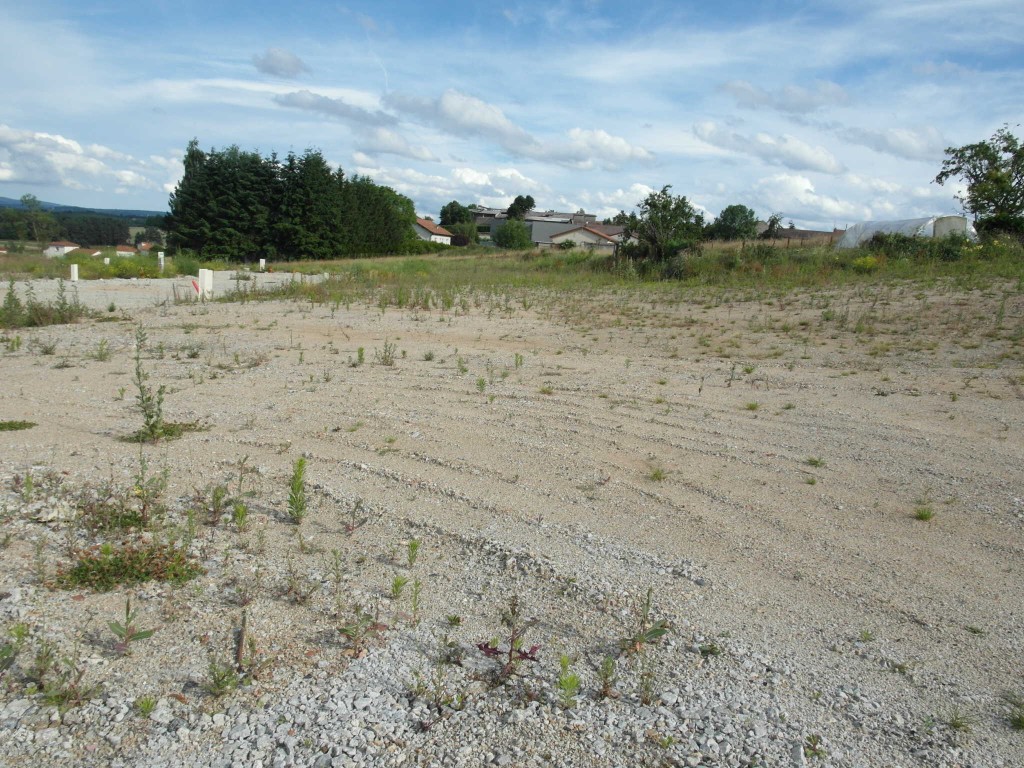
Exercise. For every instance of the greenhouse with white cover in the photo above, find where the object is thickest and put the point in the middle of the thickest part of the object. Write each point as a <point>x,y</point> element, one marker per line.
<point>933,226</point>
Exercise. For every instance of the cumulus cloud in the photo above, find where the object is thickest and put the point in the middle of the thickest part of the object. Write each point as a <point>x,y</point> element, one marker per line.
<point>280,63</point>
<point>785,150</point>
<point>793,99</point>
<point>460,114</point>
<point>339,108</point>
<point>46,159</point>
<point>797,196</point>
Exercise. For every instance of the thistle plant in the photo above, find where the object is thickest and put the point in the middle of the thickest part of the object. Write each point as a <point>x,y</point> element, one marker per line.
<point>128,633</point>
<point>509,652</point>
<point>297,492</point>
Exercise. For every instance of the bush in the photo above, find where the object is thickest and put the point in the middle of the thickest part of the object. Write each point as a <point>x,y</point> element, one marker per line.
<point>186,263</point>
<point>865,264</point>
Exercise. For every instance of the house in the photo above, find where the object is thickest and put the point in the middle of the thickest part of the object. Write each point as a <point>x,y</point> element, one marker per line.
<point>59,248</point>
<point>84,253</point>
<point>125,250</point>
<point>428,230</point>
<point>590,237</point>
<point>543,224</point>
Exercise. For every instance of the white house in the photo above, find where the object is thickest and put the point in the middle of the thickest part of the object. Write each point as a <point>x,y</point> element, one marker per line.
<point>125,250</point>
<point>428,230</point>
<point>59,248</point>
<point>588,237</point>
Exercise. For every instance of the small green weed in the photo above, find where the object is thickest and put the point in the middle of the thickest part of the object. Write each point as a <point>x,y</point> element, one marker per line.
<point>14,426</point>
<point>297,492</point>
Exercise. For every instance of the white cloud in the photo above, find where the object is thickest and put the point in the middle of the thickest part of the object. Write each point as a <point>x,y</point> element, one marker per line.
<point>924,144</point>
<point>793,98</point>
<point>459,114</point>
<point>784,150</point>
<point>334,107</point>
<point>797,197</point>
<point>47,159</point>
<point>280,63</point>
<point>385,141</point>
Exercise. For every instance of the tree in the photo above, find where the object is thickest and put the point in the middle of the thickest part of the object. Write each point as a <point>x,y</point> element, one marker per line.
<point>514,233</point>
<point>464,229</point>
<point>41,224</point>
<point>735,222</point>
<point>993,171</point>
<point>665,225</point>
<point>455,213</point>
<point>774,227</point>
<point>520,207</point>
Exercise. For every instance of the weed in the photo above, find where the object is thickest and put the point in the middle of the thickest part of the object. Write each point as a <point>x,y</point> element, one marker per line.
<point>813,747</point>
<point>461,364</point>
<point>127,633</point>
<point>647,630</point>
<point>752,406</point>
<point>924,512</point>
<point>811,480</point>
<point>608,677</point>
<point>240,516</point>
<point>1016,715</point>
<point>150,403</point>
<point>568,683</point>
<point>14,426</point>
<point>866,636</point>
<point>386,355</point>
<point>299,588</point>
<point>297,492</point>
<point>509,650</point>
<point>102,352</point>
<point>415,602</point>
<point>145,705</point>
<point>397,586</point>
<point>103,567</point>
<point>221,679</point>
<point>961,720</point>
<point>361,631</point>
<point>356,518</point>
<point>412,551</point>
<point>813,461</point>
<point>547,389</point>
<point>518,360</point>
<point>481,384</point>
<point>657,474</point>
<point>428,355</point>
<point>708,649</point>
<point>66,688</point>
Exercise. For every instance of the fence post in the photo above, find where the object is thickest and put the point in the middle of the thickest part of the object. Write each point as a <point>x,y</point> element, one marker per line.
<point>74,273</point>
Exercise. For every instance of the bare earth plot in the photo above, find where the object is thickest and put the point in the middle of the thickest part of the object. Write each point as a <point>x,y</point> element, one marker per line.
<point>759,463</point>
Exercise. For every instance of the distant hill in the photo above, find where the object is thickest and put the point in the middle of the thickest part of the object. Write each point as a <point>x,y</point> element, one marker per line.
<point>121,213</point>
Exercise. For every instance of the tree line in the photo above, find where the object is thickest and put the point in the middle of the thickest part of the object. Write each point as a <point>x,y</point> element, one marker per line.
<point>239,205</point>
<point>31,222</point>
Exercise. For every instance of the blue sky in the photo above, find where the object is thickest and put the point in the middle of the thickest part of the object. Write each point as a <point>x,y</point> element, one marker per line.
<point>826,112</point>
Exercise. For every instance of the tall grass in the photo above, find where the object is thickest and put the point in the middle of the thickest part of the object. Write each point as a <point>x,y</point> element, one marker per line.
<point>499,279</point>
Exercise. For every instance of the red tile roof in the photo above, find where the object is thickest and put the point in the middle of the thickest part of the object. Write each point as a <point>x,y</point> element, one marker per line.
<point>433,228</point>
<point>125,249</point>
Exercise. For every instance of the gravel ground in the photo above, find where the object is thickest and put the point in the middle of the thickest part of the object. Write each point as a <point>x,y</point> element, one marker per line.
<point>755,464</point>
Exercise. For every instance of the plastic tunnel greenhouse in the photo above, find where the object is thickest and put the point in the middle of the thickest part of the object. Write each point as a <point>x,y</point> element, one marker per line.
<point>934,226</point>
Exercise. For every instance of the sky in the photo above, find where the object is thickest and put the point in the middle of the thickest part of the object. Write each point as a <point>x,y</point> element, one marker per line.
<point>826,112</point>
